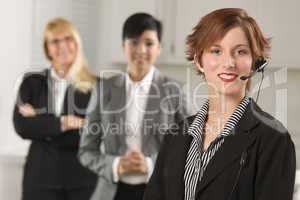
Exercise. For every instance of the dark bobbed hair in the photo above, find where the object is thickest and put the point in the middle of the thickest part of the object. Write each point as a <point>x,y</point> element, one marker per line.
<point>137,23</point>
<point>214,26</point>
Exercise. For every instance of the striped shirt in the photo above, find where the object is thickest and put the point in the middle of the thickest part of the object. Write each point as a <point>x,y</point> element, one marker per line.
<point>197,159</point>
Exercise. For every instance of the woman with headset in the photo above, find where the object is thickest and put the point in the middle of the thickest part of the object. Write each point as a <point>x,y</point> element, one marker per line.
<point>231,149</point>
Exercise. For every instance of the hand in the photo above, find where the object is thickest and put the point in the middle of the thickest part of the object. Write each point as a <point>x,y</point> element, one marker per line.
<point>27,110</point>
<point>70,122</point>
<point>132,162</point>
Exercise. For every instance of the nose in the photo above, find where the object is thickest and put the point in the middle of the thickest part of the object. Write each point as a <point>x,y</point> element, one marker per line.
<point>229,61</point>
<point>62,43</point>
<point>141,48</point>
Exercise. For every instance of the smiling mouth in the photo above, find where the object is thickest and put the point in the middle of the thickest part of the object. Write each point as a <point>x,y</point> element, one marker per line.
<point>227,77</point>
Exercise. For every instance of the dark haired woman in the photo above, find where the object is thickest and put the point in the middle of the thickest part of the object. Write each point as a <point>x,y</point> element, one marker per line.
<point>138,107</point>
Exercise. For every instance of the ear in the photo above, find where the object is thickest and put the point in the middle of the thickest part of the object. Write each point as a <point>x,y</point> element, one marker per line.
<point>123,46</point>
<point>196,61</point>
<point>159,49</point>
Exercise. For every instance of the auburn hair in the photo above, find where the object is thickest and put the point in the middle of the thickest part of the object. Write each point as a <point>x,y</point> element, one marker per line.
<point>213,27</point>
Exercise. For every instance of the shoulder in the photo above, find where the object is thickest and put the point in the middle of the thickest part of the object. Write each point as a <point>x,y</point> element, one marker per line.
<point>35,76</point>
<point>116,79</point>
<point>171,85</point>
<point>266,120</point>
<point>101,82</point>
<point>100,89</point>
<point>270,130</point>
<point>166,79</point>
<point>33,79</point>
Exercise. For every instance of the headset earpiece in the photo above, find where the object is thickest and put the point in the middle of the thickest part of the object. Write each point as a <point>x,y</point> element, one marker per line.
<point>260,64</point>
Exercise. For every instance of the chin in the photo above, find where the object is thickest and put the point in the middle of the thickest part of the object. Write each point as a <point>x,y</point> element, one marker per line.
<point>67,63</point>
<point>142,65</point>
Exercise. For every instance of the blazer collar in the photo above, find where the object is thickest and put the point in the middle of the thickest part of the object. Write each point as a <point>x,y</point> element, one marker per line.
<point>233,146</point>
<point>118,102</point>
<point>119,81</point>
<point>51,105</point>
<point>156,93</point>
<point>70,96</point>
<point>153,106</point>
<point>119,92</point>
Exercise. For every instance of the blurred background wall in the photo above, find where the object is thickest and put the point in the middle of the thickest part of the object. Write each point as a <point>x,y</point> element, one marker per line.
<point>100,23</point>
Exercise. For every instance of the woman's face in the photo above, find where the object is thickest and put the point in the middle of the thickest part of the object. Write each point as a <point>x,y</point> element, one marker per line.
<point>142,52</point>
<point>225,62</point>
<point>62,50</point>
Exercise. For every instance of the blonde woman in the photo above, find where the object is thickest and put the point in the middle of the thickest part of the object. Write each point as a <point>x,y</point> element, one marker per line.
<point>49,111</point>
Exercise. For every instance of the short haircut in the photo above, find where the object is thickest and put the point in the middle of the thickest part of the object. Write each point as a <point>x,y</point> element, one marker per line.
<point>213,27</point>
<point>137,23</point>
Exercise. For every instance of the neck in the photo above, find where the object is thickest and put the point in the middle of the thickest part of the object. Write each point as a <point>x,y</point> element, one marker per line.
<point>137,73</point>
<point>221,107</point>
<point>60,70</point>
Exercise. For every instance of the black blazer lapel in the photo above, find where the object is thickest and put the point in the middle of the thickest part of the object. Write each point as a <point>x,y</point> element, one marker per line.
<point>177,160</point>
<point>231,149</point>
<point>49,92</point>
<point>75,102</point>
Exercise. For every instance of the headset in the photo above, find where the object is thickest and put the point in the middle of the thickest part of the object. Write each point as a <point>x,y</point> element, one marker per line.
<point>242,163</point>
<point>259,66</point>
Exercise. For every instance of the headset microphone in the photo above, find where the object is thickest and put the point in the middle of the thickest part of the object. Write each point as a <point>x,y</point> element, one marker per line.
<point>259,66</point>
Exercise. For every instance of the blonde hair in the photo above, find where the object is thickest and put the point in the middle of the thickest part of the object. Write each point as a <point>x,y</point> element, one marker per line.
<point>78,74</point>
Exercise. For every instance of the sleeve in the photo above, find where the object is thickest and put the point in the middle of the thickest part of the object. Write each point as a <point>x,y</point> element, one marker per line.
<point>39,127</point>
<point>183,108</point>
<point>155,186</point>
<point>179,100</point>
<point>149,163</point>
<point>91,152</point>
<point>276,169</point>
<point>115,169</point>
<point>115,165</point>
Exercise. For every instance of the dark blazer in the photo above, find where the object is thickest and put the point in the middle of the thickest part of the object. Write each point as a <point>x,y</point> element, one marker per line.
<point>256,163</point>
<point>52,157</point>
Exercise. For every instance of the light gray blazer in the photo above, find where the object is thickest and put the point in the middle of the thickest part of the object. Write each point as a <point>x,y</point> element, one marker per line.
<point>103,137</point>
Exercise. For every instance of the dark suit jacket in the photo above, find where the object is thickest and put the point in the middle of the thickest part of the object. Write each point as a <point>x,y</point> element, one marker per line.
<point>256,163</point>
<point>52,157</point>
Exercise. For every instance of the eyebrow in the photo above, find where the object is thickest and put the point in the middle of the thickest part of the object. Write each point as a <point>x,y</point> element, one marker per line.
<point>236,46</point>
<point>242,45</point>
<point>149,39</point>
<point>139,38</point>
